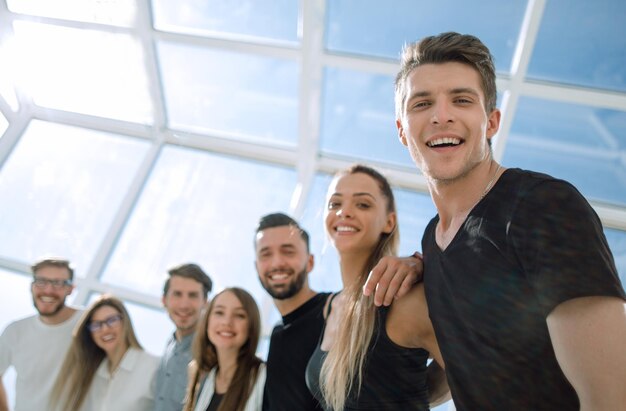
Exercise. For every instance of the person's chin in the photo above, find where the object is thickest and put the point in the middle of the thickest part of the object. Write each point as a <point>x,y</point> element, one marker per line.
<point>48,311</point>
<point>186,326</point>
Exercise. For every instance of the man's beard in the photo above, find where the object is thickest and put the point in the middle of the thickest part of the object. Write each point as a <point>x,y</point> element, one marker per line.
<point>52,313</point>
<point>292,288</point>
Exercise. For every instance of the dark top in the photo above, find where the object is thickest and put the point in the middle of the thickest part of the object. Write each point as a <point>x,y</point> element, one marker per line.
<point>394,377</point>
<point>216,399</point>
<point>532,243</point>
<point>291,346</point>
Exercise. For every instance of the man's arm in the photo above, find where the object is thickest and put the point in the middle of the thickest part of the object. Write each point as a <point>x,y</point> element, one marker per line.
<point>393,277</point>
<point>589,337</point>
<point>4,401</point>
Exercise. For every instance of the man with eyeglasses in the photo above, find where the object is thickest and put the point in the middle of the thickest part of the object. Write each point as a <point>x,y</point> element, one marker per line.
<point>35,346</point>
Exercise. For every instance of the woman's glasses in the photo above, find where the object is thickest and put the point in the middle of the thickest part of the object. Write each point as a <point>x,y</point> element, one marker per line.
<point>110,322</point>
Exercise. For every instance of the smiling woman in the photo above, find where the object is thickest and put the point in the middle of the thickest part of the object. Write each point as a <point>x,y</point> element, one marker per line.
<point>225,374</point>
<point>105,358</point>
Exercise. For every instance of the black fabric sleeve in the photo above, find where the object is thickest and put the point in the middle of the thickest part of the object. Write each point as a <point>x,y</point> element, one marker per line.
<point>558,239</point>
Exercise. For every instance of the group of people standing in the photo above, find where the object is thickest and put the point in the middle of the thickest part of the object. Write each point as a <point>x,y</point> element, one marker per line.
<point>520,307</point>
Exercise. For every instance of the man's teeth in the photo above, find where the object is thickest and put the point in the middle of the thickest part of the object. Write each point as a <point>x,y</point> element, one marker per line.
<point>346,228</point>
<point>450,141</point>
<point>47,299</point>
<point>278,276</point>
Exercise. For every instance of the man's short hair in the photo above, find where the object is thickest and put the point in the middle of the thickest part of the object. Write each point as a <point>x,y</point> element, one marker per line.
<point>282,220</point>
<point>445,48</point>
<point>53,262</point>
<point>192,271</point>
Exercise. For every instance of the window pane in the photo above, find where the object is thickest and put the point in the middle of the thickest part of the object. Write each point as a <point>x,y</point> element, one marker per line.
<point>358,117</point>
<point>259,19</point>
<point>583,145</point>
<point>350,25</point>
<point>415,210</point>
<point>325,275</point>
<point>15,298</point>
<point>582,43</point>
<point>617,243</point>
<point>117,12</point>
<point>203,208</point>
<point>152,326</point>
<point>62,186</point>
<point>86,71</point>
<point>237,93</point>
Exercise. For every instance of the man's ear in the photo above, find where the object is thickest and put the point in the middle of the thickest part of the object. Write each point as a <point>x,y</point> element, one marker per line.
<point>493,123</point>
<point>310,263</point>
<point>72,288</point>
<point>401,135</point>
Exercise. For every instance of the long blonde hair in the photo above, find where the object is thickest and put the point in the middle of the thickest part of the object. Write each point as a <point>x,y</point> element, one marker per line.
<point>205,356</point>
<point>84,357</point>
<point>344,363</point>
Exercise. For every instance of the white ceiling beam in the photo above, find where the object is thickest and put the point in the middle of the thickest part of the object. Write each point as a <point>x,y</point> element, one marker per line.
<point>310,99</point>
<point>230,45</point>
<point>575,95</point>
<point>519,67</point>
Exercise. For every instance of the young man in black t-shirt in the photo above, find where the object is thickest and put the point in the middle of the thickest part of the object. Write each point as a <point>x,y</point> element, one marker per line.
<point>522,289</point>
<point>283,262</point>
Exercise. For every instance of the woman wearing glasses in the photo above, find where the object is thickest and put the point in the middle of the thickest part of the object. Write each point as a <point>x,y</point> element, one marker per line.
<point>225,374</point>
<point>105,367</point>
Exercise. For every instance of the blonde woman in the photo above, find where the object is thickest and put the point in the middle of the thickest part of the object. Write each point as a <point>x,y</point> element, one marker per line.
<point>225,374</point>
<point>105,367</point>
<point>371,358</point>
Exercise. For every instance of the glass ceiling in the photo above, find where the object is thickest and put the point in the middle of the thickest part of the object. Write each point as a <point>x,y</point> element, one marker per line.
<point>138,135</point>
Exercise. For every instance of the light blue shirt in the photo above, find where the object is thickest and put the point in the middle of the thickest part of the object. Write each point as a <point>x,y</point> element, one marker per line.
<point>171,377</point>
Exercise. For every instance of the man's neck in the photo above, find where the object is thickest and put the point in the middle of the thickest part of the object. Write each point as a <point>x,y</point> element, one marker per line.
<point>289,305</point>
<point>454,199</point>
<point>179,334</point>
<point>63,315</point>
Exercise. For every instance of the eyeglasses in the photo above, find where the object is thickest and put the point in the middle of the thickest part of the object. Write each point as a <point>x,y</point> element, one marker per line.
<point>56,284</point>
<point>110,322</point>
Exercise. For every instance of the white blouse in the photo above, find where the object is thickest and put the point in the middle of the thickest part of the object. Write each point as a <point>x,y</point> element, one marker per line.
<point>255,401</point>
<point>129,388</point>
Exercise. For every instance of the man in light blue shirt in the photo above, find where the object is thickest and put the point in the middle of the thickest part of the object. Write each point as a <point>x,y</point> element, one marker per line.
<point>184,296</point>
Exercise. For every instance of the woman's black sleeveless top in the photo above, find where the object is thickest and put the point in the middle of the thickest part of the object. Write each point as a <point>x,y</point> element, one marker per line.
<point>394,377</point>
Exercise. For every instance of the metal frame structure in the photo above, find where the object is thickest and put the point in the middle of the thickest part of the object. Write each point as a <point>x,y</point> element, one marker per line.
<point>305,158</point>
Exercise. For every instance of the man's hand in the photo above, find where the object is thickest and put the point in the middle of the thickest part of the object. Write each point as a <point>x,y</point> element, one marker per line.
<point>393,277</point>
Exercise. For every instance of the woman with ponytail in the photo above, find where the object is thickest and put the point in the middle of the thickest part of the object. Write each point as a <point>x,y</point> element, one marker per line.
<point>371,358</point>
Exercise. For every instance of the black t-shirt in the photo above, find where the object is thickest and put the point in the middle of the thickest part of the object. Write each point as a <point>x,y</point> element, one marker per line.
<point>532,243</point>
<point>291,345</point>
